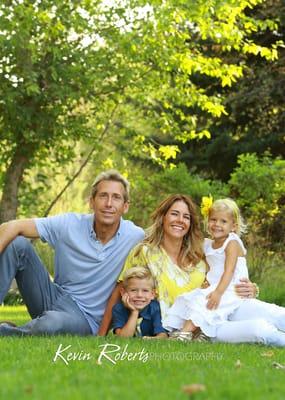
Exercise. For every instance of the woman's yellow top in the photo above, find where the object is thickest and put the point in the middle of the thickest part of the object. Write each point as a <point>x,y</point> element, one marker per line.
<point>171,280</point>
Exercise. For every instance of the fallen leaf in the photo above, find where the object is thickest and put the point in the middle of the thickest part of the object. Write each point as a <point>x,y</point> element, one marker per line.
<point>268,354</point>
<point>194,388</point>
<point>278,365</point>
<point>29,389</point>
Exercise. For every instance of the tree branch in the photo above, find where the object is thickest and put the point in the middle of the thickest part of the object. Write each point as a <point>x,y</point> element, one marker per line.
<point>82,166</point>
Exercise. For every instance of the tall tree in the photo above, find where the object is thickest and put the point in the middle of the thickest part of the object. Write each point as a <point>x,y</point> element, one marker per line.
<point>65,63</point>
<point>255,103</point>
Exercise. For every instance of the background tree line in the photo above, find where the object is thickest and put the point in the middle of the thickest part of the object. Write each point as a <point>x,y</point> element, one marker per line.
<point>180,96</point>
<point>144,87</point>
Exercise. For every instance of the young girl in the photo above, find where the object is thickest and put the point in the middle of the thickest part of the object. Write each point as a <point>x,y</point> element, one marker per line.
<point>225,254</point>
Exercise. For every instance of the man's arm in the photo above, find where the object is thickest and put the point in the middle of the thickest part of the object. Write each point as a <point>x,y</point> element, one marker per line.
<point>106,321</point>
<point>10,230</point>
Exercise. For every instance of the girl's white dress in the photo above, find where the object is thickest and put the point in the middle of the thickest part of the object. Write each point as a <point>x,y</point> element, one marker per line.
<point>192,305</point>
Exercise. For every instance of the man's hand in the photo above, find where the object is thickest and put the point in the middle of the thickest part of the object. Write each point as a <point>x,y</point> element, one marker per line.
<point>246,289</point>
<point>10,230</point>
<point>214,299</point>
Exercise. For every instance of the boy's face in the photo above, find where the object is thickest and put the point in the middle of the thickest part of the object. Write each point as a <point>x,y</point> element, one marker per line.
<point>140,292</point>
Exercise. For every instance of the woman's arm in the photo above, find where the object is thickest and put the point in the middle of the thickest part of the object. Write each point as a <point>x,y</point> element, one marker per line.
<point>107,318</point>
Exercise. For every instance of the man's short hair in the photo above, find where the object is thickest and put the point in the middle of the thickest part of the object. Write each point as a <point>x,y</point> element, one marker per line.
<point>111,175</point>
<point>138,272</point>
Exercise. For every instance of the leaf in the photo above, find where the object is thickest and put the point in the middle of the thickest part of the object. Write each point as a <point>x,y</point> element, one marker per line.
<point>169,151</point>
<point>193,388</point>
<point>269,353</point>
<point>278,365</point>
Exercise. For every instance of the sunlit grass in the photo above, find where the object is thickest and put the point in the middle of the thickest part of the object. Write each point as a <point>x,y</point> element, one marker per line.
<point>29,368</point>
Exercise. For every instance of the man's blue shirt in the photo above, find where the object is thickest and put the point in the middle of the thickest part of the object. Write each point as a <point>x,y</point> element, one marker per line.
<point>151,318</point>
<point>84,267</point>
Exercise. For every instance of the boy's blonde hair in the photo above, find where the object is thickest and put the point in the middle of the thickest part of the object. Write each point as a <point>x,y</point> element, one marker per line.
<point>138,272</point>
<point>230,206</point>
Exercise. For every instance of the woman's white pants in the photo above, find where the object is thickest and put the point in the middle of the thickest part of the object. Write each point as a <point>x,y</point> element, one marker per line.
<point>254,322</point>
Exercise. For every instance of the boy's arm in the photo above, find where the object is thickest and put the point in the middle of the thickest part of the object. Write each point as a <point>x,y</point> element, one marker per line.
<point>10,230</point>
<point>107,318</point>
<point>116,295</point>
<point>161,335</point>
<point>129,329</point>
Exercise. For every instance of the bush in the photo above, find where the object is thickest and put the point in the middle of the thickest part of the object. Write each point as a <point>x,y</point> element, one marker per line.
<point>267,269</point>
<point>258,184</point>
<point>147,193</point>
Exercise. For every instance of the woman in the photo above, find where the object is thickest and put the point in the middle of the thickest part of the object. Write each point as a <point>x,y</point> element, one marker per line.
<point>173,251</point>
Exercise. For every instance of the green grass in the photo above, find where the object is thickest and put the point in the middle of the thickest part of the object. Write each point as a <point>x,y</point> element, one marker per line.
<point>27,369</point>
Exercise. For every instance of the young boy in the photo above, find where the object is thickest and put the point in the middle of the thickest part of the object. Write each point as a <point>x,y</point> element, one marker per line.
<point>138,314</point>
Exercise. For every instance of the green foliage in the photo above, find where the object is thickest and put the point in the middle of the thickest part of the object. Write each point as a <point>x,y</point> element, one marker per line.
<point>65,65</point>
<point>147,193</point>
<point>267,268</point>
<point>255,103</point>
<point>258,184</point>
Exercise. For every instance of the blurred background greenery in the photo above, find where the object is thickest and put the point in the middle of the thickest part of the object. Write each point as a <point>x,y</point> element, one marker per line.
<point>179,97</point>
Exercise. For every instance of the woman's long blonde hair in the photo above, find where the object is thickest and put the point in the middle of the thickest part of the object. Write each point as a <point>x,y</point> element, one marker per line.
<point>192,246</point>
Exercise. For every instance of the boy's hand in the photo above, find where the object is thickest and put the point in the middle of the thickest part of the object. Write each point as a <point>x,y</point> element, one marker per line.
<point>161,335</point>
<point>126,302</point>
<point>214,299</point>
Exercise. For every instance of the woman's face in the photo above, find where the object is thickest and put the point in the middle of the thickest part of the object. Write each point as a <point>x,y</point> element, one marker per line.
<point>176,222</point>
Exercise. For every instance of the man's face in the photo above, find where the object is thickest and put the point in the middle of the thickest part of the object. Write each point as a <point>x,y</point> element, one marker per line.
<point>108,204</point>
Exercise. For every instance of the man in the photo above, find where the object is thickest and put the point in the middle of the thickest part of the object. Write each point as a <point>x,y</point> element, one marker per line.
<point>90,250</point>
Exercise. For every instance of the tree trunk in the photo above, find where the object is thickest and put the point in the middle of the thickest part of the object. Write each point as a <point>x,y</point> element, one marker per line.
<point>13,179</point>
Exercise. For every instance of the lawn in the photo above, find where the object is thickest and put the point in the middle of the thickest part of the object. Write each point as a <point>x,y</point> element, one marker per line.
<point>85,368</point>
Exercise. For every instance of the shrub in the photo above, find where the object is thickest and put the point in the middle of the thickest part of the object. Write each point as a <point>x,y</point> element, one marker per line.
<point>147,193</point>
<point>258,184</point>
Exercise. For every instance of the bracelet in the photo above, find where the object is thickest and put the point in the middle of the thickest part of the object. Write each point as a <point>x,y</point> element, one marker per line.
<point>257,291</point>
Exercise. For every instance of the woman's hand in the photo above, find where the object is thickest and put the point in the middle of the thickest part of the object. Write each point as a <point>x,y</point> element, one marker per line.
<point>205,284</point>
<point>214,299</point>
<point>246,289</point>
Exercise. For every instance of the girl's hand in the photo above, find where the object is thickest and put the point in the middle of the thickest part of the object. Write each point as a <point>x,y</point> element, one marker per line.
<point>126,302</point>
<point>214,299</point>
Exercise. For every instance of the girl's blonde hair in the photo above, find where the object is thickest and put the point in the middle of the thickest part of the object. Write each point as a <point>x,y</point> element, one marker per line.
<point>230,206</point>
<point>192,246</point>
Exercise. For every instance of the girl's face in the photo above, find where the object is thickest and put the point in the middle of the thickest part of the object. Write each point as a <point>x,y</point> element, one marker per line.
<point>176,222</point>
<point>220,224</point>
